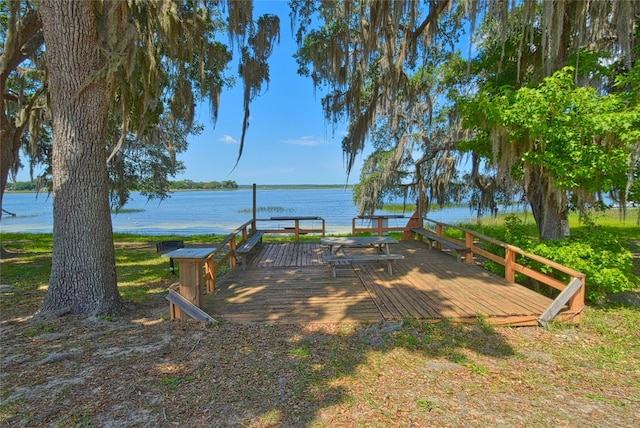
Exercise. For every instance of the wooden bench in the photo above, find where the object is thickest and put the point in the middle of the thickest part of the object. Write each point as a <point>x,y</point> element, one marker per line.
<point>245,249</point>
<point>332,259</point>
<point>461,250</point>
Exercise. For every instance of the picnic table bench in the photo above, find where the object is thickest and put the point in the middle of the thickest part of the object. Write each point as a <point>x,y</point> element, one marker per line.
<point>331,259</point>
<point>460,249</point>
<point>380,243</point>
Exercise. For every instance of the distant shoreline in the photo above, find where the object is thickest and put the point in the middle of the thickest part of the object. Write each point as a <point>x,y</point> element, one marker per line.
<point>240,187</point>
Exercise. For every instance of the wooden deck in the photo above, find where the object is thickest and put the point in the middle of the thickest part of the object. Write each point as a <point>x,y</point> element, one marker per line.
<point>289,283</point>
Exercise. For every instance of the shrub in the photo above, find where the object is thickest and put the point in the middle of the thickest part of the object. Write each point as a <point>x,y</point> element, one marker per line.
<point>598,254</point>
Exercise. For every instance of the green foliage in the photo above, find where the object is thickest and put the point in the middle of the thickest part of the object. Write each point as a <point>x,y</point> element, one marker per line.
<point>516,232</point>
<point>596,251</point>
<point>581,138</point>
<point>600,255</point>
<point>24,186</point>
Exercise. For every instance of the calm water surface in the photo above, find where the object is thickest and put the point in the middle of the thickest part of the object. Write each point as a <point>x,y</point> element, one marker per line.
<point>211,212</point>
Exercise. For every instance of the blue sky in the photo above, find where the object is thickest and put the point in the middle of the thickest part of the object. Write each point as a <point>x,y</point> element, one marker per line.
<point>288,141</point>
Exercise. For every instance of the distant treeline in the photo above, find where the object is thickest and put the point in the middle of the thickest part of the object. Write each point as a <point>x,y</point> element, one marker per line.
<point>231,184</point>
<point>32,186</point>
<point>24,186</point>
<point>203,185</point>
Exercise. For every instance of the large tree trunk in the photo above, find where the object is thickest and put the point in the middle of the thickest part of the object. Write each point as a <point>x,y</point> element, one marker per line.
<point>83,273</point>
<point>548,205</point>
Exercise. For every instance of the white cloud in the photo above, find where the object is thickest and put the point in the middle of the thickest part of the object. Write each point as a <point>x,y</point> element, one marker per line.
<point>307,140</point>
<point>228,139</point>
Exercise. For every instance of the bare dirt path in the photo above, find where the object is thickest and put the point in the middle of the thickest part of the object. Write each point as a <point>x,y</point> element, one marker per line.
<point>142,370</point>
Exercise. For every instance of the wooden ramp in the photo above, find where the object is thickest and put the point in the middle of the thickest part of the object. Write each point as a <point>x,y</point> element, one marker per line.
<point>289,283</point>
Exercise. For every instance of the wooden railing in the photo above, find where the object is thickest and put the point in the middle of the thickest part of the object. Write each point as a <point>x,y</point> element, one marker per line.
<point>378,224</point>
<point>225,252</point>
<point>571,293</point>
<point>292,225</point>
<point>226,249</point>
<point>474,241</point>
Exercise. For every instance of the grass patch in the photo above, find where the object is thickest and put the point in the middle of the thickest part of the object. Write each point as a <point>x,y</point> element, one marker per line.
<point>611,220</point>
<point>400,208</point>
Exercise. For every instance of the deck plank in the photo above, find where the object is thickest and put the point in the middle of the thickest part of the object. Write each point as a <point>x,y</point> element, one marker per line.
<point>290,283</point>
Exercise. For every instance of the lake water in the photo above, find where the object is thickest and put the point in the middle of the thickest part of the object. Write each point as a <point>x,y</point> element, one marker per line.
<point>212,212</point>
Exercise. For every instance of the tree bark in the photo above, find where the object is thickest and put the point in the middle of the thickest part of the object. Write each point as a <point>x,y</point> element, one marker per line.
<point>548,204</point>
<point>83,273</point>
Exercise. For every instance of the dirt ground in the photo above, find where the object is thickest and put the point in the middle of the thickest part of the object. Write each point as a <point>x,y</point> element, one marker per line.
<point>143,370</point>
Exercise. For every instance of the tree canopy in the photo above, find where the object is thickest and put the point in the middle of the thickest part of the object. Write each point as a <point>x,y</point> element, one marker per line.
<point>163,58</point>
<point>370,54</point>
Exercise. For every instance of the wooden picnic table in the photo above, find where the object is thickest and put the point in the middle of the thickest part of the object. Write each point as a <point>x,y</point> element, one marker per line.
<point>190,263</point>
<point>380,243</point>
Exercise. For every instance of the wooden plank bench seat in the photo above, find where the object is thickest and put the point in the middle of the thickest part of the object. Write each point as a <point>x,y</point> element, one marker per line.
<point>331,259</point>
<point>460,249</point>
<point>245,249</point>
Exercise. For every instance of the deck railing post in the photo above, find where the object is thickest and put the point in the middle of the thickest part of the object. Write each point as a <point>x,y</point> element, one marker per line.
<point>210,272</point>
<point>468,240</point>
<point>232,249</point>
<point>439,233</point>
<point>509,263</point>
<point>576,303</point>
<point>255,209</point>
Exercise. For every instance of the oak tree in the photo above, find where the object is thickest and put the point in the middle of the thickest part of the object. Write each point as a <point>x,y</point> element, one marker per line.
<point>366,52</point>
<point>126,57</point>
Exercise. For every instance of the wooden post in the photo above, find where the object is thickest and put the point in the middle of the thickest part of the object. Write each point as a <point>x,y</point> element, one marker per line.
<point>572,292</point>
<point>232,249</point>
<point>191,262</point>
<point>439,233</point>
<point>421,203</point>
<point>509,263</point>
<point>210,275</point>
<point>468,240</point>
<point>576,303</point>
<point>255,209</point>
<point>191,281</point>
<point>414,221</point>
